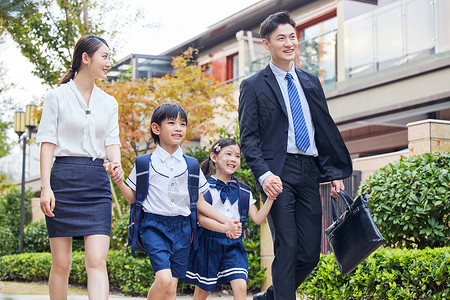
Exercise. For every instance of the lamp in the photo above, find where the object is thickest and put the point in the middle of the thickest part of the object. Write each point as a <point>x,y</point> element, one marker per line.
<point>30,116</point>
<point>24,120</point>
<point>19,122</point>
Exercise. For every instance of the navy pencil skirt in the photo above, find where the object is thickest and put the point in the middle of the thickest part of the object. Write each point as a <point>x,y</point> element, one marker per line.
<point>83,198</point>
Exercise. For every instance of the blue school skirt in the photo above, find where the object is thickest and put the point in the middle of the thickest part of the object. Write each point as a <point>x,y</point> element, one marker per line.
<point>218,260</point>
<point>83,198</point>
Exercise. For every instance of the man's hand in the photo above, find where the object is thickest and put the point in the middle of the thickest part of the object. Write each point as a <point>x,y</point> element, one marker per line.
<point>272,186</point>
<point>336,186</point>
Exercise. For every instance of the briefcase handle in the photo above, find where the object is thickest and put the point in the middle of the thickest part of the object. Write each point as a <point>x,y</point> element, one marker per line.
<point>348,201</point>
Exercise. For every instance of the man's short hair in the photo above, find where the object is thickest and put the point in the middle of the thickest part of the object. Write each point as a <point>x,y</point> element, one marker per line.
<point>165,111</point>
<point>271,23</point>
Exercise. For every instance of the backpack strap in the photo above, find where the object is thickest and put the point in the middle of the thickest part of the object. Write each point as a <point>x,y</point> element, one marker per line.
<point>142,176</point>
<point>193,182</point>
<point>243,202</point>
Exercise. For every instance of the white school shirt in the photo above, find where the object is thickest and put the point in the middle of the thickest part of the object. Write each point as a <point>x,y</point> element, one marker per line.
<point>229,210</point>
<point>75,129</point>
<point>168,184</point>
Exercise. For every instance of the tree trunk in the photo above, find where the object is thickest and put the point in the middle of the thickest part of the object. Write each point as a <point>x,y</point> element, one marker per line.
<point>85,16</point>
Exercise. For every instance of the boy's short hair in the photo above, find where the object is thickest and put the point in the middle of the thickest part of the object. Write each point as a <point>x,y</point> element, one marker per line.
<point>271,23</point>
<point>165,111</point>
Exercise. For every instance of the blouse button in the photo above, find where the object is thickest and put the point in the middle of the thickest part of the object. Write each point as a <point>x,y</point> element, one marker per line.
<point>228,210</point>
<point>171,169</point>
<point>171,184</point>
<point>172,200</point>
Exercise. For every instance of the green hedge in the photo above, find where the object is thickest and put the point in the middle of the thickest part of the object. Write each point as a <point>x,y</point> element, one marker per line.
<point>386,274</point>
<point>410,201</point>
<point>127,273</point>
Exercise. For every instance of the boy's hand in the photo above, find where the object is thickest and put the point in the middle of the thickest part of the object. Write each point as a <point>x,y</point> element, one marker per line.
<point>115,171</point>
<point>234,229</point>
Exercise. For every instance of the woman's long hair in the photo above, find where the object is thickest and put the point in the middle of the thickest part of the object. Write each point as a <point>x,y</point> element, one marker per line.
<point>207,165</point>
<point>88,44</point>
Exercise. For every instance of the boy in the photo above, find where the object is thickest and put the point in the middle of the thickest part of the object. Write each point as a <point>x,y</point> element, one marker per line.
<point>165,230</point>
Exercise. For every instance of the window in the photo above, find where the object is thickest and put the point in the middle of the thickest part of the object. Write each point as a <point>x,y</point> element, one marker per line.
<point>232,66</point>
<point>224,68</point>
<point>317,47</point>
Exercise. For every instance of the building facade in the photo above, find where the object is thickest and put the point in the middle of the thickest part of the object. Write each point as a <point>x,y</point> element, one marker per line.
<point>382,64</point>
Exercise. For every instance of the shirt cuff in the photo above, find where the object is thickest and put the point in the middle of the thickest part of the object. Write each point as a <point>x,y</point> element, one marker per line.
<point>264,176</point>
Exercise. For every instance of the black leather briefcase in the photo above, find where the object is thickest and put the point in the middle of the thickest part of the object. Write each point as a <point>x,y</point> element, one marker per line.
<point>353,236</point>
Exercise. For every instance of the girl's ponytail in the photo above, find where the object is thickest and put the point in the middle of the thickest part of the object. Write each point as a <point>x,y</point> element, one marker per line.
<point>206,167</point>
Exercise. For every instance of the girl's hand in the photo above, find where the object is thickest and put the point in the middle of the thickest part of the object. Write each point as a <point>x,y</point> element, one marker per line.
<point>115,171</point>
<point>47,202</point>
<point>234,229</point>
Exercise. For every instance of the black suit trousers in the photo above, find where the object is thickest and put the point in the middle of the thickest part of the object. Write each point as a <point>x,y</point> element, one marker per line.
<point>295,221</point>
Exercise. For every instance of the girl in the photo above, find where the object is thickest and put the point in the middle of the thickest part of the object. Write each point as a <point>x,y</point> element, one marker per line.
<point>219,259</point>
<point>79,126</point>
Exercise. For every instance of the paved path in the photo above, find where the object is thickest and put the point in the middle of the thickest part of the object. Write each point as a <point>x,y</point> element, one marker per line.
<point>112,297</point>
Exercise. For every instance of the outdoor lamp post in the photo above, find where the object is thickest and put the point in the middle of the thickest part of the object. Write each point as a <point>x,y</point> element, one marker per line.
<point>22,120</point>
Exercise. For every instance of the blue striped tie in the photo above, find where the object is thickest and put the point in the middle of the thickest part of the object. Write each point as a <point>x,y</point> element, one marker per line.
<point>300,129</point>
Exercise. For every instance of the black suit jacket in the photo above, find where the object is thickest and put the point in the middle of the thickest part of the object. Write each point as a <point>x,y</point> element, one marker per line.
<point>263,124</point>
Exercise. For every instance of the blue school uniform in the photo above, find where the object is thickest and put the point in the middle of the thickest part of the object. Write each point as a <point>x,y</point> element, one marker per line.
<point>219,259</point>
<point>165,229</point>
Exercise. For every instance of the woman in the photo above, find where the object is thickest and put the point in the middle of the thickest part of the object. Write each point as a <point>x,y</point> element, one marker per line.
<point>79,126</point>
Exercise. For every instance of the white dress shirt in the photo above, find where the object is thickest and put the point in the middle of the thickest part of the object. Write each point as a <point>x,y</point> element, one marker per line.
<point>168,184</point>
<point>292,148</point>
<point>75,129</point>
<point>282,82</point>
<point>227,209</point>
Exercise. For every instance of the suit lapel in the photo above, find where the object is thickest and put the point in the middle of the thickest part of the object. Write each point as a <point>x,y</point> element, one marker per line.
<point>310,92</point>
<point>273,83</point>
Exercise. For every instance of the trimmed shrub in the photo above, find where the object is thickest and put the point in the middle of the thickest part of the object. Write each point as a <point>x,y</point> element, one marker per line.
<point>10,219</point>
<point>36,238</point>
<point>410,201</point>
<point>387,274</point>
<point>10,242</point>
<point>119,231</point>
<point>127,273</point>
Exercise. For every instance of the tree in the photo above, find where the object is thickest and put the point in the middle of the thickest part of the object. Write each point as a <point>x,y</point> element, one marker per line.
<point>5,106</point>
<point>201,97</point>
<point>47,30</point>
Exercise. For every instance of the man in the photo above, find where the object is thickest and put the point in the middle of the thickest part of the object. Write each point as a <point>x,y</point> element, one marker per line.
<point>291,143</point>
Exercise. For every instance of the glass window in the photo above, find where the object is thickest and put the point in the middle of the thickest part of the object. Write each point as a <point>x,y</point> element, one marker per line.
<point>420,29</point>
<point>317,47</point>
<point>359,47</point>
<point>442,9</point>
<point>388,24</point>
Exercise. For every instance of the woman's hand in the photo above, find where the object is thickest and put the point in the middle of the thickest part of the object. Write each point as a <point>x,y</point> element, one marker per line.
<point>115,171</point>
<point>47,202</point>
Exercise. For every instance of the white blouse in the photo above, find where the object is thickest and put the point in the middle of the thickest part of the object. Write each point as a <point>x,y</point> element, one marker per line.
<point>227,209</point>
<point>75,129</point>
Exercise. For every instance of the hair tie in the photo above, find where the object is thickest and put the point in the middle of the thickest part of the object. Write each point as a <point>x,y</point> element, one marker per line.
<point>217,148</point>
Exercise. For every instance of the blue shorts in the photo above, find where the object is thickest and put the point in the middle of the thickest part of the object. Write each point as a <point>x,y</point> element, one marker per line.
<point>167,241</point>
<point>218,260</point>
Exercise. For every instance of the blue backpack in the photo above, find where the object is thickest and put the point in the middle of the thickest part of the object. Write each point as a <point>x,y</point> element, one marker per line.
<point>136,211</point>
<point>243,202</point>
